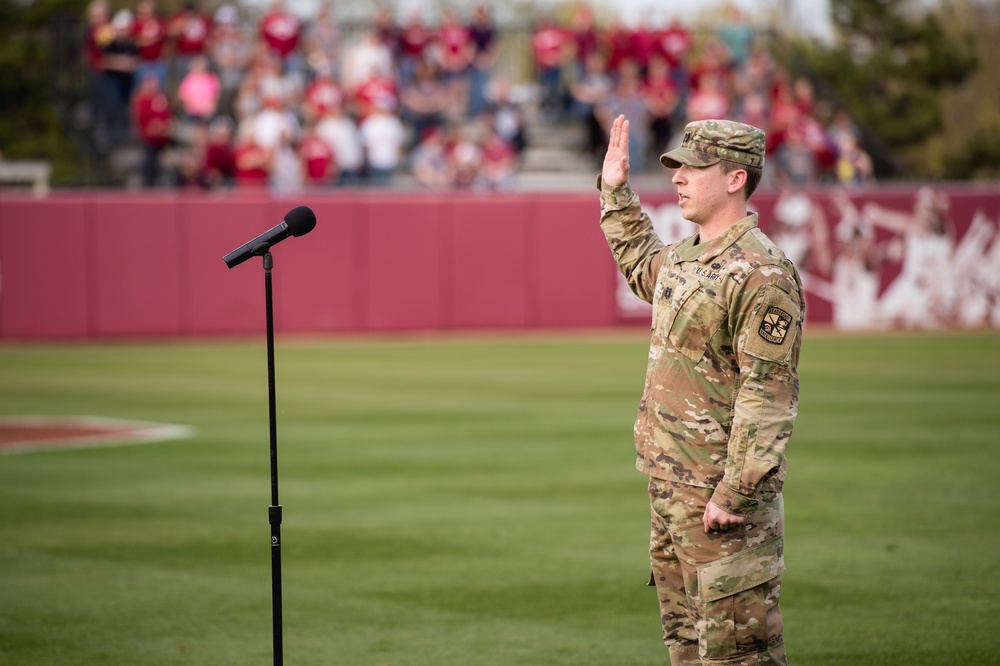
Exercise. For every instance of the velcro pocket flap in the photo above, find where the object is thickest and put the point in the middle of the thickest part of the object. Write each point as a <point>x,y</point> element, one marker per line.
<point>696,320</point>
<point>774,325</point>
<point>742,571</point>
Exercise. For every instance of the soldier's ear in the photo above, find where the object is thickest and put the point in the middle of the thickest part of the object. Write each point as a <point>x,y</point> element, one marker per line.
<point>735,180</point>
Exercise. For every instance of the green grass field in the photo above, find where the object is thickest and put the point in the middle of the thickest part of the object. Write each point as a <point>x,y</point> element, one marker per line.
<point>472,501</point>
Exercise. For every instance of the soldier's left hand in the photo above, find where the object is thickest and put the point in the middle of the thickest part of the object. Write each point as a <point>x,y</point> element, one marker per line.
<point>717,519</point>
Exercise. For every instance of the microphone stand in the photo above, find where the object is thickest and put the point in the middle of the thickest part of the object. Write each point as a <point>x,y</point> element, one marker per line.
<point>274,510</point>
<point>298,222</point>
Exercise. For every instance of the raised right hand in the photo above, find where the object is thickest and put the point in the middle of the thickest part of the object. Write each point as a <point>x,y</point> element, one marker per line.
<point>615,170</point>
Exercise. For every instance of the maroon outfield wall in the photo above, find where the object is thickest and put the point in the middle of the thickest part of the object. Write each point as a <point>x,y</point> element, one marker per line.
<point>111,264</point>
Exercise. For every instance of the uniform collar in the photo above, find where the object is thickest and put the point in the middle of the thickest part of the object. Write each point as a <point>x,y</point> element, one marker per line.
<point>688,251</point>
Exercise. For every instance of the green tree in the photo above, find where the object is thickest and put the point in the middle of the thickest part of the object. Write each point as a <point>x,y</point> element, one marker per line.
<point>970,144</point>
<point>891,61</point>
<point>30,125</point>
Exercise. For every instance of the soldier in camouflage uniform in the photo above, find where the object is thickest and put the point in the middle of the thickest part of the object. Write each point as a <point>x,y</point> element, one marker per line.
<point>721,393</point>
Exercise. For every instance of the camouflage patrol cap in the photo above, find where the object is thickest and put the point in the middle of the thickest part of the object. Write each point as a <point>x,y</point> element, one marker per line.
<point>706,142</point>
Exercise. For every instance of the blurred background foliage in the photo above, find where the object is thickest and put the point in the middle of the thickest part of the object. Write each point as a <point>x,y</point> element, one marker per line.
<point>922,80</point>
<point>30,123</point>
<point>918,77</point>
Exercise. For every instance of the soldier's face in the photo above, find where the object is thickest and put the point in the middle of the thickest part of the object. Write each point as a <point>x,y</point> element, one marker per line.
<point>700,191</point>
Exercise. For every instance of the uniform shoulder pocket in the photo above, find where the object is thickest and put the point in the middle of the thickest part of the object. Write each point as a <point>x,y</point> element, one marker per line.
<point>773,325</point>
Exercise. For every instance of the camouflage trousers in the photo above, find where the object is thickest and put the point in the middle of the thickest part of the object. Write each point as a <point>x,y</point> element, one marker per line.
<point>718,592</point>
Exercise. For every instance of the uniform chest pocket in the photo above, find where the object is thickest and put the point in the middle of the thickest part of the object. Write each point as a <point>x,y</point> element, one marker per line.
<point>694,320</point>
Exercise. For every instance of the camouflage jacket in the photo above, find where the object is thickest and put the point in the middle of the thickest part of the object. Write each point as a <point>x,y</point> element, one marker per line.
<point>722,389</point>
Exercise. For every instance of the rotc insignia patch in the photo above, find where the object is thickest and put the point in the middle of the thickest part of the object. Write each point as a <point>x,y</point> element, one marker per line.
<point>774,326</point>
<point>776,318</point>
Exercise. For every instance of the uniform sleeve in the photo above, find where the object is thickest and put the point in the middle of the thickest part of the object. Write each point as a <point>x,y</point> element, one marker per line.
<point>767,330</point>
<point>630,235</point>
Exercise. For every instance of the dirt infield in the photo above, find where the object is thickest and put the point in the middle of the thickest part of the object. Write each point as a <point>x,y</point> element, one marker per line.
<point>21,434</point>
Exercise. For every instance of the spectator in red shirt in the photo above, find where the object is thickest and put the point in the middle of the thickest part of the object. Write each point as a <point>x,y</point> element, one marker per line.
<point>280,31</point>
<point>708,100</point>
<point>189,31</point>
<point>322,93</point>
<point>150,34</point>
<point>379,90</point>
<point>674,43</point>
<point>643,43</point>
<point>99,32</point>
<point>805,98</point>
<point>549,43</point>
<point>583,30</point>
<point>821,145</point>
<point>219,167</point>
<point>618,45</point>
<point>498,159</point>
<point>319,164</point>
<point>152,119</point>
<point>412,44</point>
<point>455,57</point>
<point>784,111</point>
<point>252,162</point>
<point>385,27</point>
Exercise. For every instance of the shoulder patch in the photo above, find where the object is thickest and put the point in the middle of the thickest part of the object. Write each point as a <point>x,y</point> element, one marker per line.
<point>773,328</point>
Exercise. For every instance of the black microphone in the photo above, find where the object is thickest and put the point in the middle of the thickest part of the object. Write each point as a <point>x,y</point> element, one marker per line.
<point>298,222</point>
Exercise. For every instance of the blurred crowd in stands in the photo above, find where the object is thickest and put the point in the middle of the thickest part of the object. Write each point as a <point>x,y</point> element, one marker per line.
<point>662,78</point>
<point>284,104</point>
<point>220,99</point>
